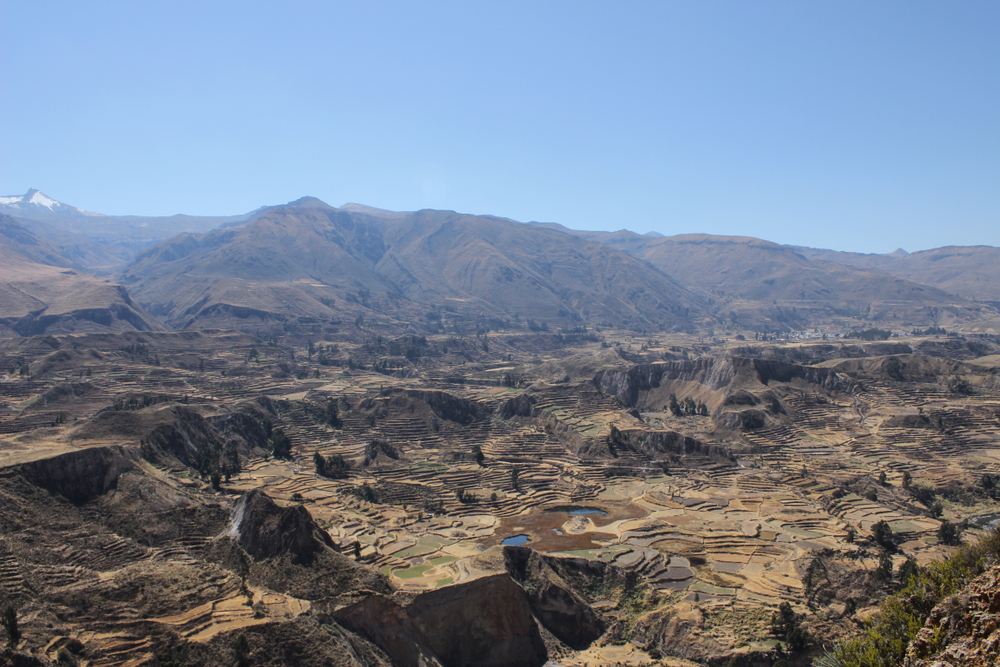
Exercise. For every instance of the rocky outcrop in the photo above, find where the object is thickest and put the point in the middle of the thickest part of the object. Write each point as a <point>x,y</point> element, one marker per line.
<point>964,630</point>
<point>651,443</point>
<point>627,384</point>
<point>243,430</point>
<point>496,620</point>
<point>117,316</point>
<point>486,622</point>
<point>781,371</point>
<point>437,405</point>
<point>680,633</point>
<point>740,397</point>
<point>957,348</point>
<point>744,420</point>
<point>730,375</point>
<point>265,530</point>
<point>522,405</point>
<point>189,436</point>
<point>554,602</point>
<point>83,474</point>
<point>290,554</point>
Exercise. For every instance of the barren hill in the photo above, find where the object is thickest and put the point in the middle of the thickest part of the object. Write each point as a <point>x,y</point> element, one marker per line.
<point>309,259</point>
<point>969,271</point>
<point>758,280</point>
<point>532,272</point>
<point>42,291</point>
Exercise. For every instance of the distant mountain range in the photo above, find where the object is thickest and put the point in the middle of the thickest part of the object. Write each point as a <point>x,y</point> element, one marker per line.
<point>34,203</point>
<point>307,261</point>
<point>42,291</point>
<point>749,278</point>
<point>969,271</point>
<point>131,232</point>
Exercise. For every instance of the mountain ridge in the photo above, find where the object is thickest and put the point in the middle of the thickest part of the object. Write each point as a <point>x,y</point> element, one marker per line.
<point>496,267</point>
<point>484,266</point>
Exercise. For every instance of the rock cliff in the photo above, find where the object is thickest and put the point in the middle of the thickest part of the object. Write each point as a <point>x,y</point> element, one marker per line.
<point>486,622</point>
<point>265,530</point>
<point>81,475</point>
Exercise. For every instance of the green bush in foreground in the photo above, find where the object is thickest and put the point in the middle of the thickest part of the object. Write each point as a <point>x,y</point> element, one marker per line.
<point>889,631</point>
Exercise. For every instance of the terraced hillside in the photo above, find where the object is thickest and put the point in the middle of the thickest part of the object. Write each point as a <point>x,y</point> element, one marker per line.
<point>626,500</point>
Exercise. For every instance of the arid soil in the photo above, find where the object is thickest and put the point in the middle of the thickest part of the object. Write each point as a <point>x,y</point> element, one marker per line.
<point>150,516</point>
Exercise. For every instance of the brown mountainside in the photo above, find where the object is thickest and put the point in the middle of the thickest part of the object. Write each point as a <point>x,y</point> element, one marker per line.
<point>42,291</point>
<point>308,259</point>
<point>969,271</point>
<point>532,272</point>
<point>758,280</point>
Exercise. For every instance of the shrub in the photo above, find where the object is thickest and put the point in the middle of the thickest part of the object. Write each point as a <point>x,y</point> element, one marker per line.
<point>908,570</point>
<point>784,624</point>
<point>884,570</point>
<point>241,648</point>
<point>282,445</point>
<point>9,622</point>
<point>331,413</point>
<point>959,385</point>
<point>367,492</point>
<point>949,534</point>
<point>883,537</point>
<point>888,632</point>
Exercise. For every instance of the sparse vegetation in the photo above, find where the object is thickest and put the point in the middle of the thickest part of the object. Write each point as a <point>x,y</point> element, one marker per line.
<point>281,444</point>
<point>888,633</point>
<point>10,626</point>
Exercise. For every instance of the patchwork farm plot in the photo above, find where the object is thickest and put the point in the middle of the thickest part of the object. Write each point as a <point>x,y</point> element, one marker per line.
<point>771,494</point>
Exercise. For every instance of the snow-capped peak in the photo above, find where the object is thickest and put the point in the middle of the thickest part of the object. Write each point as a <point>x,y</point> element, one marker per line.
<point>39,199</point>
<point>33,200</point>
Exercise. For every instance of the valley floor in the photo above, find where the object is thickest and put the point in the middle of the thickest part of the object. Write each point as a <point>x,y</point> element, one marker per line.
<point>713,520</point>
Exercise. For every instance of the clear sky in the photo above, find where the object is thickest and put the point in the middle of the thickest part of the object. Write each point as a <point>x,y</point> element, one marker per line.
<point>849,125</point>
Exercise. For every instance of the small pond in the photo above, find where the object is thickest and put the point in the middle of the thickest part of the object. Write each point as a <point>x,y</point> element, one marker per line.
<point>573,509</point>
<point>515,541</point>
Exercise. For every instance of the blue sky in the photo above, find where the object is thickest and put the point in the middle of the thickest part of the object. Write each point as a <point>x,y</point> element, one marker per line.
<point>848,125</point>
